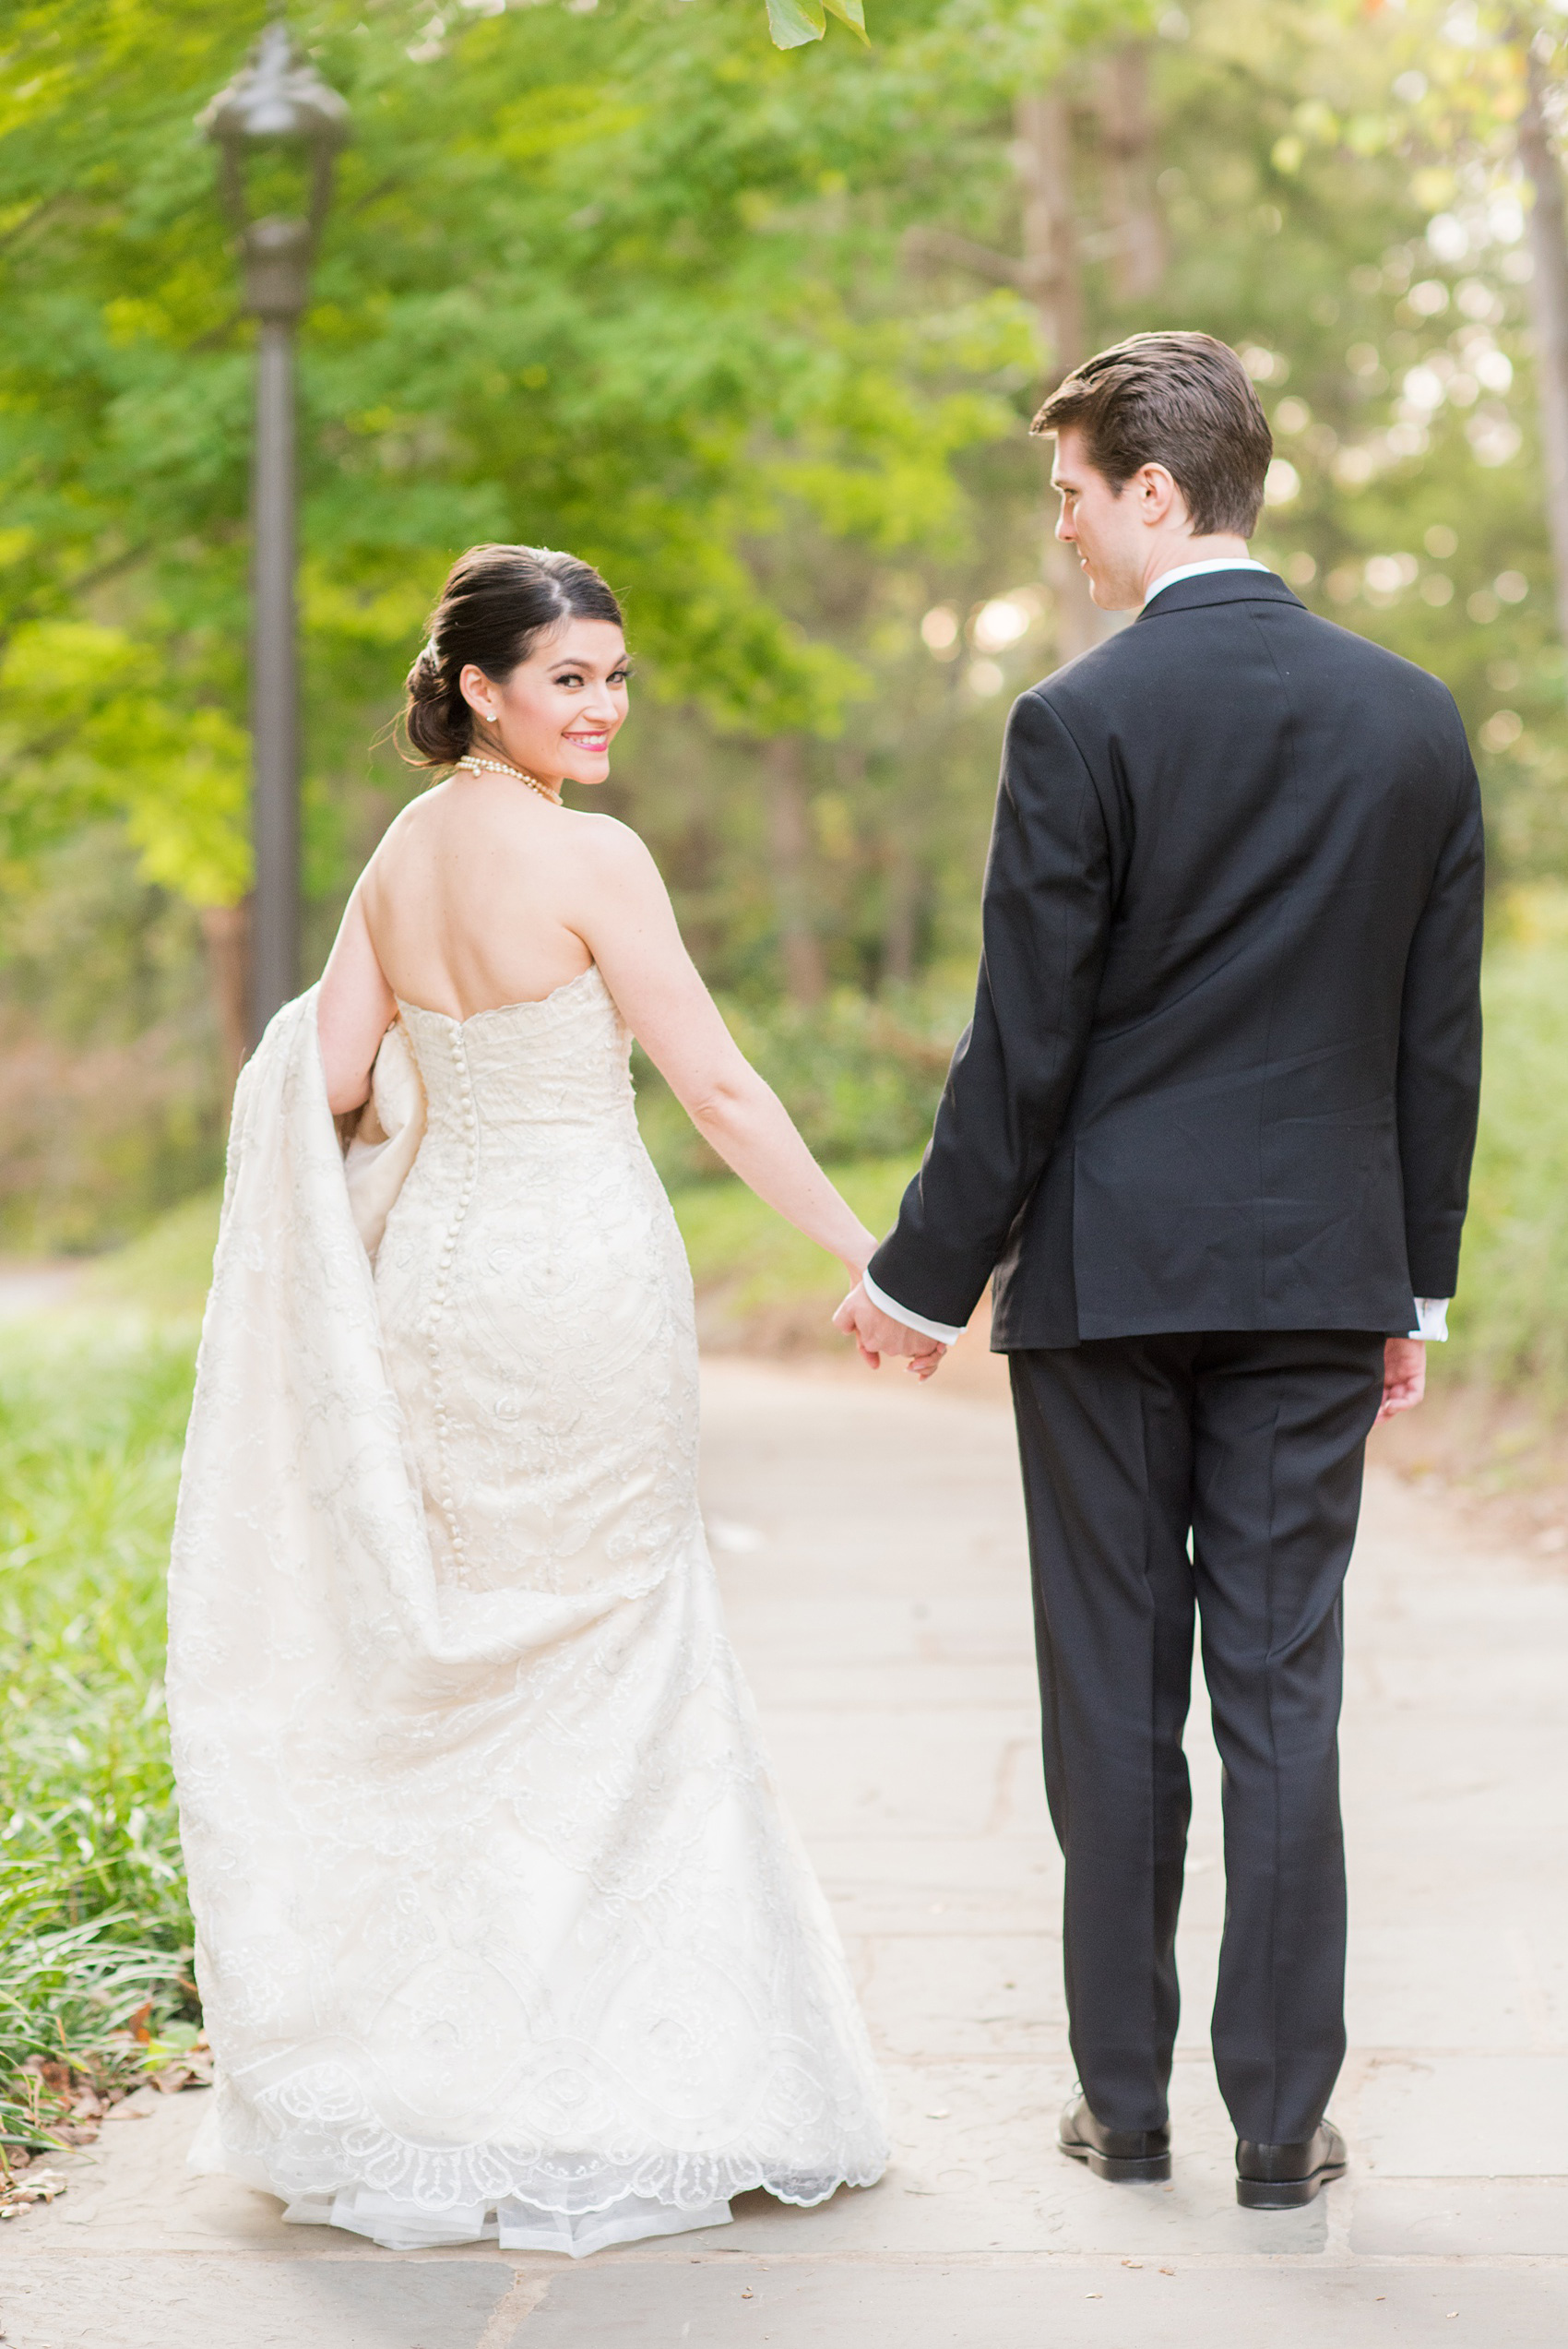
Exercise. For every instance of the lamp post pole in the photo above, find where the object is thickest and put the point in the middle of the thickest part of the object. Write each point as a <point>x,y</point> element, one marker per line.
<point>276,100</point>
<point>275,293</point>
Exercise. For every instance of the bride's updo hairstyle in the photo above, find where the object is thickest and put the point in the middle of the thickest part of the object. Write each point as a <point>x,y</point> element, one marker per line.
<point>497,602</point>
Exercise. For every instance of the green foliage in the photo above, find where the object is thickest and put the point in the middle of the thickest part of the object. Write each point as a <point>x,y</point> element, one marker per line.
<point>165,1272</point>
<point>752,1269</point>
<point>91,1437</point>
<point>93,1922</point>
<point>75,2000</point>
<point>861,1078</point>
<point>1510,1322</point>
<point>589,280</point>
<point>108,1104</point>
<point>791,23</point>
<point>1343,204</point>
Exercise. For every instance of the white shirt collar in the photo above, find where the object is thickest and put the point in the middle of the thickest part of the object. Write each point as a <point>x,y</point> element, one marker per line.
<point>1201,570</point>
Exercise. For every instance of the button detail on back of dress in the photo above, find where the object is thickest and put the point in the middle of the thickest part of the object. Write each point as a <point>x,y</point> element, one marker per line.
<point>432,1338</point>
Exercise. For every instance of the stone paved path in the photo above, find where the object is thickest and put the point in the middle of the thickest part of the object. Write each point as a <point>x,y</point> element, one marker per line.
<point>870,1539</point>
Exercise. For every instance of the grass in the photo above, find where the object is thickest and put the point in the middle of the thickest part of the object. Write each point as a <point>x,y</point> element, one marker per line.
<point>755,1275</point>
<point>164,1273</point>
<point>94,1928</point>
<point>1510,1322</point>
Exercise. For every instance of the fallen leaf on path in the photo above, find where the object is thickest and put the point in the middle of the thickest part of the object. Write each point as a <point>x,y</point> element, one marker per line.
<point>37,2185</point>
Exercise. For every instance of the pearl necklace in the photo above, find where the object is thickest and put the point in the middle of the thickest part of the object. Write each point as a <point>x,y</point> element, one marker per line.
<point>505,766</point>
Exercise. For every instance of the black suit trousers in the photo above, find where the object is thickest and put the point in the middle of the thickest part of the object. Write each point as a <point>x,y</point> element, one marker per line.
<point>1251,1444</point>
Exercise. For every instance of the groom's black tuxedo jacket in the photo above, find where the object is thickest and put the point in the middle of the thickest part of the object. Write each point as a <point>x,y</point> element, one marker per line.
<point>1223,1067</point>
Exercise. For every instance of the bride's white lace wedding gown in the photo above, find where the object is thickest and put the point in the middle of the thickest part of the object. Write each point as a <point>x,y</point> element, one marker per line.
<point>500,1927</point>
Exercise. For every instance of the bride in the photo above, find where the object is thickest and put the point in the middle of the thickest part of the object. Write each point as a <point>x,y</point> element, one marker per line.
<point>501,1929</point>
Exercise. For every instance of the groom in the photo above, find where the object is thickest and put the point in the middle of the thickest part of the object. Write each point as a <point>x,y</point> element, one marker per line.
<point>1209,1131</point>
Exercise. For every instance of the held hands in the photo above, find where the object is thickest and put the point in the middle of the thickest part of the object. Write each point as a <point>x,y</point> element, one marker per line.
<point>1404,1375</point>
<point>876,1333</point>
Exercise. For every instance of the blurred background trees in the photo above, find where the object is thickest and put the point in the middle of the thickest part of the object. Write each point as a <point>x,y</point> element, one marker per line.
<point>760,333</point>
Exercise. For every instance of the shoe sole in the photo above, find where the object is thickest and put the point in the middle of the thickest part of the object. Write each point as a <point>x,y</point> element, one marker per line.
<point>1150,2169</point>
<point>1285,2194</point>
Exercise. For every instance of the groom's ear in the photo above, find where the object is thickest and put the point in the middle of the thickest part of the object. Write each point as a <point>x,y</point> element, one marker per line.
<point>1159,495</point>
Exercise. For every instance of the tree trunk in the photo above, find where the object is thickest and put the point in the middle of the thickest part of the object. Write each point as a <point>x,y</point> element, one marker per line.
<point>226,933</point>
<point>1044,159</point>
<point>1549,312</point>
<point>1129,133</point>
<point>805,977</point>
<point>1043,154</point>
<point>901,883</point>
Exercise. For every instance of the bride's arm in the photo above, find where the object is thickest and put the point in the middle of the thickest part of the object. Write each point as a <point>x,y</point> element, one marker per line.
<point>628,924</point>
<point>353,1011</point>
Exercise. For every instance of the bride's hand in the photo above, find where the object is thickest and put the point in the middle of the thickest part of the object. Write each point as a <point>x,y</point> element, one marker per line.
<point>876,1333</point>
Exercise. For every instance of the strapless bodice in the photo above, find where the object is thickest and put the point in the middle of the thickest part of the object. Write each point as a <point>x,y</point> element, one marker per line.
<point>529,1275</point>
<point>562,1060</point>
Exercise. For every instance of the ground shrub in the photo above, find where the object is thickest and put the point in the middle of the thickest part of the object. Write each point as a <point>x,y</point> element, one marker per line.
<point>95,1938</point>
<point>860,1075</point>
<point>1510,1321</point>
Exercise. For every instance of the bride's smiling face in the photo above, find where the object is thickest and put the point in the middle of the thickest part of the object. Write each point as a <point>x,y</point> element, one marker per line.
<point>559,710</point>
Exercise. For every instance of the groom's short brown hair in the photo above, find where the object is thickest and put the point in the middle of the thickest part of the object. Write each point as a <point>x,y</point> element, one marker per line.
<point>1181,400</point>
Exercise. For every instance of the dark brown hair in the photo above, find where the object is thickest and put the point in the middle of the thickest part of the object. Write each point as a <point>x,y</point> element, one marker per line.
<point>1181,400</point>
<point>497,602</point>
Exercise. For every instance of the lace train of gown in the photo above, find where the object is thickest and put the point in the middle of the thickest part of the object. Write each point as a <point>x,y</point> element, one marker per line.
<point>500,1926</point>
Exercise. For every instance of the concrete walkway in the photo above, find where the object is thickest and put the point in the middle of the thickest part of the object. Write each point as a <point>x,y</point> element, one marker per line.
<point>870,1538</point>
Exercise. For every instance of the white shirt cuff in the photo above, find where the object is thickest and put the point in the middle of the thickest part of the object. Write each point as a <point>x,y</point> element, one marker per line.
<point>942,1331</point>
<point>1432,1318</point>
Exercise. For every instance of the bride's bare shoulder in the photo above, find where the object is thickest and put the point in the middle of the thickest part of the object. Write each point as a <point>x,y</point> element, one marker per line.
<point>415,817</point>
<point>450,819</point>
<point>502,830</point>
<point>411,825</point>
<point>608,846</point>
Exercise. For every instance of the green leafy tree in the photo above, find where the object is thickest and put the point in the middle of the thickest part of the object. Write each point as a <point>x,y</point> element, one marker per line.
<point>579,288</point>
<point>1346,204</point>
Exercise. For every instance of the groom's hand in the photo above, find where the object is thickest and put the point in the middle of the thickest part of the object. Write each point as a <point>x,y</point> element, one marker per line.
<point>877,1334</point>
<point>1404,1375</point>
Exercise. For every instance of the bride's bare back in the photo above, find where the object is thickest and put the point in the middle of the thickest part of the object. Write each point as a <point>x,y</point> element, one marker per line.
<point>475,897</point>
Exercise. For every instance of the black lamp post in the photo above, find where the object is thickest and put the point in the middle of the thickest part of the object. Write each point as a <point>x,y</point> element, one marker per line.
<point>278,100</point>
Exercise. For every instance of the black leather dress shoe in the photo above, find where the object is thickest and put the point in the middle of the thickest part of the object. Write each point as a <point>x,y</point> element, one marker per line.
<point>1281,2178</point>
<point>1121,2154</point>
